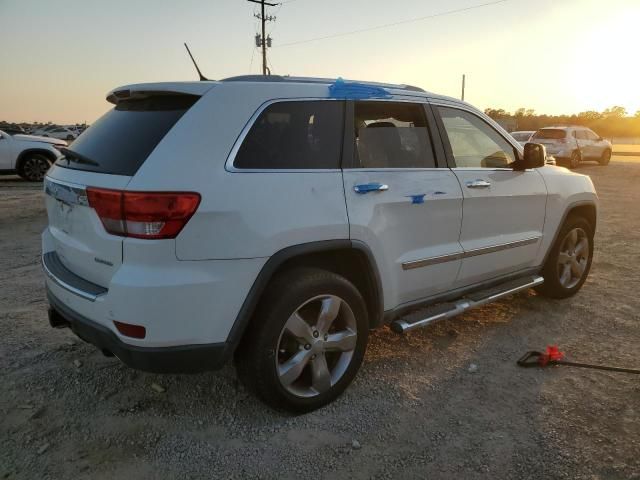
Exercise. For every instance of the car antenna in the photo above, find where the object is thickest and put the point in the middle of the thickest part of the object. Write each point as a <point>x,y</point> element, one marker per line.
<point>202,77</point>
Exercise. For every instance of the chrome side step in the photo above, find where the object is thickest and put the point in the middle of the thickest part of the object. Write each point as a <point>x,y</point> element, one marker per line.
<point>472,300</point>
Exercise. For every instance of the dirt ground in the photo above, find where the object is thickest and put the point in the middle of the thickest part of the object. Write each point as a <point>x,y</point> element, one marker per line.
<point>415,410</point>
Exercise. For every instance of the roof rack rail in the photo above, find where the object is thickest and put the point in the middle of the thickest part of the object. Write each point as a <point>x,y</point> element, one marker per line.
<point>286,78</point>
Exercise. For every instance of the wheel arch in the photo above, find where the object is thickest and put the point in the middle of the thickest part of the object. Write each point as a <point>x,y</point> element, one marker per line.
<point>586,209</point>
<point>30,151</point>
<point>349,258</point>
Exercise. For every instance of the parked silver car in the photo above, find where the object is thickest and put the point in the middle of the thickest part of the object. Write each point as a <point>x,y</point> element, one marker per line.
<point>572,145</point>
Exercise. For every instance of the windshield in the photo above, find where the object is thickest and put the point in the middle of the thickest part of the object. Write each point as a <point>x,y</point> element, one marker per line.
<point>521,136</point>
<point>550,133</point>
<point>121,140</point>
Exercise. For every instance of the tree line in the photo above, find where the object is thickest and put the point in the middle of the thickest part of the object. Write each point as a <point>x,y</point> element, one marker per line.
<point>612,122</point>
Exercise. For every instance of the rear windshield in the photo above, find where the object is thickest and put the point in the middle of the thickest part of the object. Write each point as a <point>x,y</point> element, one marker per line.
<point>550,133</point>
<point>120,141</point>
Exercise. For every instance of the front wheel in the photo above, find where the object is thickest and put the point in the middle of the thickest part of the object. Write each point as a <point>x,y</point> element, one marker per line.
<point>569,260</point>
<point>306,341</point>
<point>34,167</point>
<point>605,158</point>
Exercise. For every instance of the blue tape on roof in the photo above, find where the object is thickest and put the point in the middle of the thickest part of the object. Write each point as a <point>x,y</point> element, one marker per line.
<point>353,90</point>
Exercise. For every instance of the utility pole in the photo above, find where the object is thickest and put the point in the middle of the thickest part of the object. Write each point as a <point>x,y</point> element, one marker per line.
<point>261,41</point>
<point>463,82</point>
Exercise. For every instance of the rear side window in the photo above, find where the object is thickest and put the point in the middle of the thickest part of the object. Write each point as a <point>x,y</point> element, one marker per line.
<point>550,134</point>
<point>295,135</point>
<point>120,141</point>
<point>392,135</point>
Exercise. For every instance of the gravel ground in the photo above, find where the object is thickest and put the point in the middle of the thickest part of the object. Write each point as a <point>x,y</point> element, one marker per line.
<point>416,409</point>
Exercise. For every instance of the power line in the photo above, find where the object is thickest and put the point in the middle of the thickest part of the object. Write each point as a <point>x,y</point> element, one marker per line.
<point>387,25</point>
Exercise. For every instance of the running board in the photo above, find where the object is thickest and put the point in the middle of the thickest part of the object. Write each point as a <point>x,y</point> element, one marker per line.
<point>451,309</point>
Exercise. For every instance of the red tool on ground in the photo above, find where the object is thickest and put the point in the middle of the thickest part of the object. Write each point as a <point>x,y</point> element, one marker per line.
<point>553,356</point>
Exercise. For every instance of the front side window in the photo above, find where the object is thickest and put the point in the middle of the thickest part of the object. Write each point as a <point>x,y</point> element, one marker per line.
<point>474,143</point>
<point>392,135</point>
<point>294,135</point>
<point>592,136</point>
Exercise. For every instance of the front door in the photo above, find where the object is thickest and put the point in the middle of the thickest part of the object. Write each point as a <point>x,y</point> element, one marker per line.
<point>7,152</point>
<point>406,209</point>
<point>503,209</point>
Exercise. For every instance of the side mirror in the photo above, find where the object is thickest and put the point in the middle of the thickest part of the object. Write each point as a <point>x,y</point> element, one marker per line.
<point>535,156</point>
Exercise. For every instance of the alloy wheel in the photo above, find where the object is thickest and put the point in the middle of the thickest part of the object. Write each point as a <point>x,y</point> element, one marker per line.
<point>573,258</point>
<point>316,346</point>
<point>34,168</point>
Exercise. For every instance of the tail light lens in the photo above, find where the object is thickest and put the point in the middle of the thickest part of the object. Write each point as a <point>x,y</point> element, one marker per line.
<point>151,215</point>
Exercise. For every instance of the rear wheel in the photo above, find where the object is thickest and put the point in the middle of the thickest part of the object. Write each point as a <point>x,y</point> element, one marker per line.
<point>605,158</point>
<point>575,159</point>
<point>34,167</point>
<point>569,260</point>
<point>306,341</point>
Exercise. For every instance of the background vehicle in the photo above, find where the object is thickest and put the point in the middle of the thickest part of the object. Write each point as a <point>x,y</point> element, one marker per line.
<point>523,136</point>
<point>12,129</point>
<point>62,133</point>
<point>28,156</point>
<point>572,145</point>
<point>275,220</point>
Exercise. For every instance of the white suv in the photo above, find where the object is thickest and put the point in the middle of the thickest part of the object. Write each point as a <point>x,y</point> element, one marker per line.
<point>275,220</point>
<point>572,145</point>
<point>29,156</point>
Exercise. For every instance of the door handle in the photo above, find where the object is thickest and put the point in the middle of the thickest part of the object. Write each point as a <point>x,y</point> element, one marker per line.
<point>479,183</point>
<point>370,187</point>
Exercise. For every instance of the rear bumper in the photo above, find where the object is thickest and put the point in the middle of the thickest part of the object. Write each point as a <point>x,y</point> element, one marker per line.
<point>177,359</point>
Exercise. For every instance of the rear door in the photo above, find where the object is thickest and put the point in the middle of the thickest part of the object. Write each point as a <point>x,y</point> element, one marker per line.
<point>503,209</point>
<point>105,156</point>
<point>405,208</point>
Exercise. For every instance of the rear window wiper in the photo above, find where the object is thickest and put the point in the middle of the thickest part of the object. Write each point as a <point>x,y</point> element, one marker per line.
<point>77,157</point>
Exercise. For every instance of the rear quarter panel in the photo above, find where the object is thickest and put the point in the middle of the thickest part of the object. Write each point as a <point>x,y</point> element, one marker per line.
<point>242,214</point>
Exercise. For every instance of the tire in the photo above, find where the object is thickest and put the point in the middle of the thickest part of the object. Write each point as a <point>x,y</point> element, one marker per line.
<point>605,158</point>
<point>294,372</point>
<point>70,138</point>
<point>565,257</point>
<point>34,167</point>
<point>574,161</point>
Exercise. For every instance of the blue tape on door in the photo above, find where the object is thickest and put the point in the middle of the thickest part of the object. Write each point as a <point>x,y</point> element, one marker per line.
<point>417,198</point>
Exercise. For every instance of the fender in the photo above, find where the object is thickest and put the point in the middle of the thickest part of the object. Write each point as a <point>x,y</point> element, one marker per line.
<point>277,260</point>
<point>565,214</point>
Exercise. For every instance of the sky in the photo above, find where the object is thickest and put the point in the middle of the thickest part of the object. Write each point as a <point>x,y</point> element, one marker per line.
<point>59,58</point>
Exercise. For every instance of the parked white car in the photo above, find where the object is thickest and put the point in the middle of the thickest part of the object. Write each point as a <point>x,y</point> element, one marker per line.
<point>572,145</point>
<point>62,133</point>
<point>523,136</point>
<point>276,220</point>
<point>27,155</point>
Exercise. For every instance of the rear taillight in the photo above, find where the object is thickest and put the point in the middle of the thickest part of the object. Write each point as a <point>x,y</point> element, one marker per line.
<point>150,215</point>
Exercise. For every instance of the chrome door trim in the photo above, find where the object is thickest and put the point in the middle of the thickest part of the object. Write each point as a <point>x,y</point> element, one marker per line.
<point>424,262</point>
<point>503,246</point>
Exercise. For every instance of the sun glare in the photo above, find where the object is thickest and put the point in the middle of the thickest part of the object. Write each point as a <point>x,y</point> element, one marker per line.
<point>607,71</point>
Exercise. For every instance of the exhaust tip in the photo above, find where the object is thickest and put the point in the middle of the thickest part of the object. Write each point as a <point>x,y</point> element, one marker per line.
<point>56,320</point>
